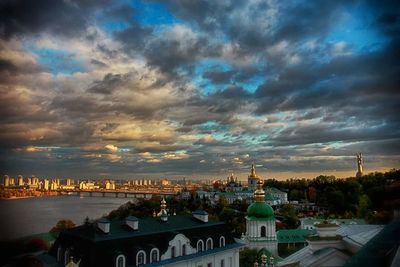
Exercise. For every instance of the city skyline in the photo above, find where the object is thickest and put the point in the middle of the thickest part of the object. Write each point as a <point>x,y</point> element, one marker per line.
<point>166,89</point>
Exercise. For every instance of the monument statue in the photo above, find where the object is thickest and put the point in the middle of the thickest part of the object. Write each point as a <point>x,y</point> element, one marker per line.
<point>360,163</point>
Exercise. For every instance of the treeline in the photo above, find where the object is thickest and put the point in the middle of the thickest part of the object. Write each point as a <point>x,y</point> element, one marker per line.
<point>372,196</point>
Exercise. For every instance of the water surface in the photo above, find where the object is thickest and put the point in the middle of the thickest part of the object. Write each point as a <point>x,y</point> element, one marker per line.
<point>28,216</point>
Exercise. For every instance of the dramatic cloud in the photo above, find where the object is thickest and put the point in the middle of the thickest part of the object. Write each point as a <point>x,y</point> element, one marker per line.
<point>198,88</point>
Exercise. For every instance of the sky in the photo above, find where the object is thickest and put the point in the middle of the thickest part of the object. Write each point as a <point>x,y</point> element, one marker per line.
<point>130,89</point>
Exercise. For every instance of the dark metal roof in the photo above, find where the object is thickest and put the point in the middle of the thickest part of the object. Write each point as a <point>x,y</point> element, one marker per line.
<point>380,250</point>
<point>96,247</point>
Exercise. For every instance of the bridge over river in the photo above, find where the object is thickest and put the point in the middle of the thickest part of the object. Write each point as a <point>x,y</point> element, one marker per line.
<point>116,193</point>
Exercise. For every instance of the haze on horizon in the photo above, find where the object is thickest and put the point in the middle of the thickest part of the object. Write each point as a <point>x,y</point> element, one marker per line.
<point>198,88</point>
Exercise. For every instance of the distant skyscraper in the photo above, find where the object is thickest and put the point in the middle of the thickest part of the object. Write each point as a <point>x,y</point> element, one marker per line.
<point>360,163</point>
<point>6,181</point>
<point>20,180</point>
<point>46,184</point>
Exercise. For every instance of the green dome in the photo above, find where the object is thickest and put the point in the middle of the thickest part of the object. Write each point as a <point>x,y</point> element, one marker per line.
<point>260,210</point>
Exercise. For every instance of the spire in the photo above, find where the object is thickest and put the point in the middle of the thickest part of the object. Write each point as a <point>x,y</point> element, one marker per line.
<point>259,194</point>
<point>163,212</point>
<point>253,171</point>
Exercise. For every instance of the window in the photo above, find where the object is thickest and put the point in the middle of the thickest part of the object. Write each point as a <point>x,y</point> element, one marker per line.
<point>154,255</point>
<point>200,245</point>
<point>222,263</point>
<point>173,252</point>
<point>209,244</point>
<point>263,231</point>
<point>222,241</point>
<point>209,264</point>
<point>59,253</point>
<point>140,258</point>
<point>120,261</point>
<point>184,250</point>
<point>66,256</point>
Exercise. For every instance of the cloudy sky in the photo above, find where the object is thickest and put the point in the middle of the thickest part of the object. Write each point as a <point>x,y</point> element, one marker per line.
<point>99,88</point>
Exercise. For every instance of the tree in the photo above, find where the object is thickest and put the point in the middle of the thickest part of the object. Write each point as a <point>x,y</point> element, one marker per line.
<point>61,226</point>
<point>247,257</point>
<point>312,194</point>
<point>289,214</point>
<point>363,205</point>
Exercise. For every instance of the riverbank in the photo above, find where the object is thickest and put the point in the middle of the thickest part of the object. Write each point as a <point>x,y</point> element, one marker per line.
<point>15,198</point>
<point>12,194</point>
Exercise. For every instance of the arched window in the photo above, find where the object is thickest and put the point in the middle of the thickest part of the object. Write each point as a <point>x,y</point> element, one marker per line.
<point>200,245</point>
<point>263,231</point>
<point>120,261</point>
<point>66,256</point>
<point>59,253</point>
<point>209,244</point>
<point>183,249</point>
<point>222,241</point>
<point>140,258</point>
<point>154,255</point>
<point>173,252</point>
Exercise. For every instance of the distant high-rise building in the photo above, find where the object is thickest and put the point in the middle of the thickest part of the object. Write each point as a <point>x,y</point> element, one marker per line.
<point>165,182</point>
<point>110,185</point>
<point>20,180</point>
<point>46,184</point>
<point>6,181</point>
<point>53,185</point>
<point>360,163</point>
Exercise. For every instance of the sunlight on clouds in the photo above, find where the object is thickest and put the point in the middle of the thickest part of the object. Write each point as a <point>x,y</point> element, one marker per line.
<point>111,148</point>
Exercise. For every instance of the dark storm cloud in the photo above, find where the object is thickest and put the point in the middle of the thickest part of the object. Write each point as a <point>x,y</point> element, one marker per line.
<point>313,101</point>
<point>57,16</point>
<point>108,84</point>
<point>325,133</point>
<point>134,37</point>
<point>98,63</point>
<point>125,12</point>
<point>249,24</point>
<point>169,54</point>
<point>8,66</point>
<point>336,83</point>
<point>218,77</point>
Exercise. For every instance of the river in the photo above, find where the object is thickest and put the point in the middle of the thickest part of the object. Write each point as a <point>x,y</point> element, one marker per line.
<point>28,216</point>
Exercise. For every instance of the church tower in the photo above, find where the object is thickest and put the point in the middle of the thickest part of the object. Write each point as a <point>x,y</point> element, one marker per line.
<point>252,179</point>
<point>260,223</point>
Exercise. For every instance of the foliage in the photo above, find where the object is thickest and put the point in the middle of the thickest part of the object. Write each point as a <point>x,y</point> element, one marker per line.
<point>61,226</point>
<point>345,197</point>
<point>289,216</point>
<point>247,257</point>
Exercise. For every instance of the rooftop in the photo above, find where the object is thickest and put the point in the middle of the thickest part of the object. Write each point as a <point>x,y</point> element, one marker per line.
<point>380,250</point>
<point>309,221</point>
<point>294,235</point>
<point>147,226</point>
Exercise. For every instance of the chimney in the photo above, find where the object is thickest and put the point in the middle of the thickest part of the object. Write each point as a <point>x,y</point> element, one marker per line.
<point>132,222</point>
<point>104,225</point>
<point>201,215</point>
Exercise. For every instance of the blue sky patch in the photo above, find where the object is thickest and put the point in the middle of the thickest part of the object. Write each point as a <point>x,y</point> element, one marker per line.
<point>58,61</point>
